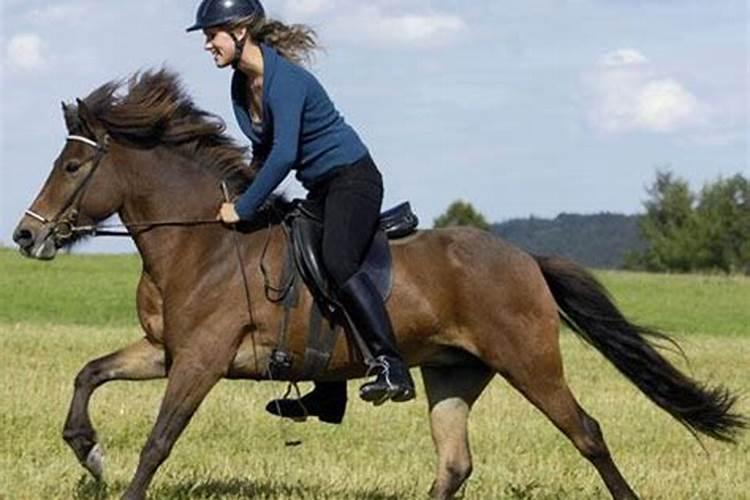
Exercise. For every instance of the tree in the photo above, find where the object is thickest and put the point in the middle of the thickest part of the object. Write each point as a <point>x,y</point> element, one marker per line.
<point>461,213</point>
<point>723,216</point>
<point>688,232</point>
<point>669,225</point>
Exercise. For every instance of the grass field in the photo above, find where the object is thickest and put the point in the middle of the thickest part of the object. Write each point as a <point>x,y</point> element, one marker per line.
<point>54,317</point>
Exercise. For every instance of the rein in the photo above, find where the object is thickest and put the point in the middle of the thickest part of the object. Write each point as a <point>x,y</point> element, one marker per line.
<point>105,229</point>
<point>65,228</point>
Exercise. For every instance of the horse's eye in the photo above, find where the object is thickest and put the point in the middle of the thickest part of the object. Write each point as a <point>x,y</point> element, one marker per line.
<point>72,166</point>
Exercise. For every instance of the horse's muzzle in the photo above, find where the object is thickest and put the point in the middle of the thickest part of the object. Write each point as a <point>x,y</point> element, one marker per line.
<point>35,244</point>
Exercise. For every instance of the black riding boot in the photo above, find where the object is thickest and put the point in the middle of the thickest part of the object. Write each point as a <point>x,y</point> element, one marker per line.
<point>327,401</point>
<point>365,309</point>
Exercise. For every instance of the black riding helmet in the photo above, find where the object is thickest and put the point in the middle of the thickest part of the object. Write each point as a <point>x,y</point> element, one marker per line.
<point>212,13</point>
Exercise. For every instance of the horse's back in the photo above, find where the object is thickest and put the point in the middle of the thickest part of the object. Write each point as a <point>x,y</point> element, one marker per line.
<point>454,284</point>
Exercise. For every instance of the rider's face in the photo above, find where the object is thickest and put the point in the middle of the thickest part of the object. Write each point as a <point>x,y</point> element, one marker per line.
<point>221,46</point>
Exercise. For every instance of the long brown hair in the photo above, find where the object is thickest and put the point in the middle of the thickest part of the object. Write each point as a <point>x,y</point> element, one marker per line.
<point>295,42</point>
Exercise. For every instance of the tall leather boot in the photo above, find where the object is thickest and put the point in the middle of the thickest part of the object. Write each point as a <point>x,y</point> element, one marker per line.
<point>327,401</point>
<point>365,308</point>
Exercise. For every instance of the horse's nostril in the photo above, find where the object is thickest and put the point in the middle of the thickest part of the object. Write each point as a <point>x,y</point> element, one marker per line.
<point>24,238</point>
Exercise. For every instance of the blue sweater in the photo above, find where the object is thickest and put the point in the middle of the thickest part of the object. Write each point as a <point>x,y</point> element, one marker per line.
<point>301,130</point>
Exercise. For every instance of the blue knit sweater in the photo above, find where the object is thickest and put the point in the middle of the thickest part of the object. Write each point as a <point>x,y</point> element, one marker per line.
<point>301,130</point>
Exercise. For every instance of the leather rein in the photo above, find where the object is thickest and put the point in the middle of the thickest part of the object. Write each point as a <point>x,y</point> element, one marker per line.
<point>65,226</point>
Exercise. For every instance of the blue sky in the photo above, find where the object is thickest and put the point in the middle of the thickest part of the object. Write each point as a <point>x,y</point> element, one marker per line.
<point>521,106</point>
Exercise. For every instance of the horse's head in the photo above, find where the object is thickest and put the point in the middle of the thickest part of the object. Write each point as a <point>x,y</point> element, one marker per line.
<point>81,189</point>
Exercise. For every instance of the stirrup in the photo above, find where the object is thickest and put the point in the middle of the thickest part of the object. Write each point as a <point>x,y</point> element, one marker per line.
<point>299,413</point>
<point>390,391</point>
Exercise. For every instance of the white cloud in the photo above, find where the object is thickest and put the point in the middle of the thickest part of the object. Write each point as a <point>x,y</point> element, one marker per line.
<point>303,8</point>
<point>370,25</point>
<point>665,105</point>
<point>623,57</point>
<point>415,28</point>
<point>377,22</point>
<point>628,96</point>
<point>26,52</point>
<point>59,12</point>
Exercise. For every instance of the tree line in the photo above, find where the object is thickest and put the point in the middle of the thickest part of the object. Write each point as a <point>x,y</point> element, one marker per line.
<point>681,230</point>
<point>689,231</point>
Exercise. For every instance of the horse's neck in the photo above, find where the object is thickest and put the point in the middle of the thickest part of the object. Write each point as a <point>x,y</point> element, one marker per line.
<point>159,186</point>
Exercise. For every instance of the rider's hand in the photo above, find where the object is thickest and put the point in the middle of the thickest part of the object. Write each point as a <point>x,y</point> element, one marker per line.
<point>228,214</point>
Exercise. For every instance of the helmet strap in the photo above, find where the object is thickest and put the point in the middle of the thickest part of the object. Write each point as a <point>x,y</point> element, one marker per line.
<point>239,46</point>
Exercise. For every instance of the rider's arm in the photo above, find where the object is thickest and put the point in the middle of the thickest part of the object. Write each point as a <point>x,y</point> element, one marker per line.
<point>286,109</point>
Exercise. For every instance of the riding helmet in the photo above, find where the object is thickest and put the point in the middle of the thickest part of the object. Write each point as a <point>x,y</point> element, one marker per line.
<point>217,12</point>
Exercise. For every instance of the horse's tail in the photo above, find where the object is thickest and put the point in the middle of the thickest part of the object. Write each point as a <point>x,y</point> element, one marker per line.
<point>586,307</point>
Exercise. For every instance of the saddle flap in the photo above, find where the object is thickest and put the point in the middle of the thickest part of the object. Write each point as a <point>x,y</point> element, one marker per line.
<point>307,239</point>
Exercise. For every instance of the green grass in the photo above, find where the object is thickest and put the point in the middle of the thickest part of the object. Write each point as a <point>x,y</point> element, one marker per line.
<point>99,290</point>
<point>684,304</point>
<point>56,316</point>
<point>95,290</point>
<point>232,449</point>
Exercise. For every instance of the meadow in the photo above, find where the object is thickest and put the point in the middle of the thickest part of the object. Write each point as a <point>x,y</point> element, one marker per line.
<point>54,317</point>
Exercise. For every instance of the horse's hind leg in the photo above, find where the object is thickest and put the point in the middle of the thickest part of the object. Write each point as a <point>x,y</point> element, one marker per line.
<point>451,391</point>
<point>139,361</point>
<point>555,400</point>
<point>535,369</point>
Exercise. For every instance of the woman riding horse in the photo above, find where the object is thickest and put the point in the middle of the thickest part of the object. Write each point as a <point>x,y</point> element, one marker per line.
<point>293,124</point>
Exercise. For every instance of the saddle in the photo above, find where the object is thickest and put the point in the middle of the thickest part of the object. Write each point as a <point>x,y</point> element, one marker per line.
<point>303,258</point>
<point>307,236</point>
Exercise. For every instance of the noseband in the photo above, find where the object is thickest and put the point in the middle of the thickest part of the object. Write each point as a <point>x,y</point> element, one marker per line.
<point>64,225</point>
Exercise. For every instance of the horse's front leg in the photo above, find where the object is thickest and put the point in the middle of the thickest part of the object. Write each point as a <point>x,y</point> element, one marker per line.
<point>139,361</point>
<point>192,375</point>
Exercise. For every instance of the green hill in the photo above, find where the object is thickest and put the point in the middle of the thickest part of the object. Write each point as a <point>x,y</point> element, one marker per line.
<point>599,241</point>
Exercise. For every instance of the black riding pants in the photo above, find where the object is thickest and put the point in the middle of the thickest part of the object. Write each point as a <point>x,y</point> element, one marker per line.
<point>349,202</point>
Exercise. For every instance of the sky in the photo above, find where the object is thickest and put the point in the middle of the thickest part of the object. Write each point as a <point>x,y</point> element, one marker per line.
<point>522,107</point>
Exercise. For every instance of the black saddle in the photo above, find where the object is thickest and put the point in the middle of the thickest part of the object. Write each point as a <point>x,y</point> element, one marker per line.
<point>303,258</point>
<point>307,236</point>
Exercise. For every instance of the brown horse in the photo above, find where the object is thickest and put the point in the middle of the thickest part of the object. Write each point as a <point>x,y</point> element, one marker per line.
<point>465,305</point>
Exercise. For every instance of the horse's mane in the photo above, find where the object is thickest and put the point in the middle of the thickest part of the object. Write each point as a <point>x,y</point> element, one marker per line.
<point>151,108</point>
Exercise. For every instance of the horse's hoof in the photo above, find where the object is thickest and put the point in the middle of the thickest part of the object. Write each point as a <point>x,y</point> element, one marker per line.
<point>95,462</point>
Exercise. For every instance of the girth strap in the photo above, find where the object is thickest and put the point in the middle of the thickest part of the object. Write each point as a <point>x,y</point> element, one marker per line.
<point>321,340</point>
<point>281,359</point>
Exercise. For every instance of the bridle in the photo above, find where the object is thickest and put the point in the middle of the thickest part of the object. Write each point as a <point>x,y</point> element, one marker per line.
<point>65,222</point>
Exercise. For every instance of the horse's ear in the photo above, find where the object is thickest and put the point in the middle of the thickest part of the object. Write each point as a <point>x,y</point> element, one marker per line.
<point>90,123</point>
<point>70,113</point>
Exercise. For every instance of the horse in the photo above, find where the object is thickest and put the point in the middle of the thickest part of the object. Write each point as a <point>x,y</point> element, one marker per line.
<point>465,304</point>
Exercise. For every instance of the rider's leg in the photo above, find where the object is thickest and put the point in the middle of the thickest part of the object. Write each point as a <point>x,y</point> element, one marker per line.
<point>352,211</point>
<point>365,309</point>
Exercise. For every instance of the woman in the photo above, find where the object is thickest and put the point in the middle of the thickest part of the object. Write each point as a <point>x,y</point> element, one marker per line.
<point>293,124</point>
